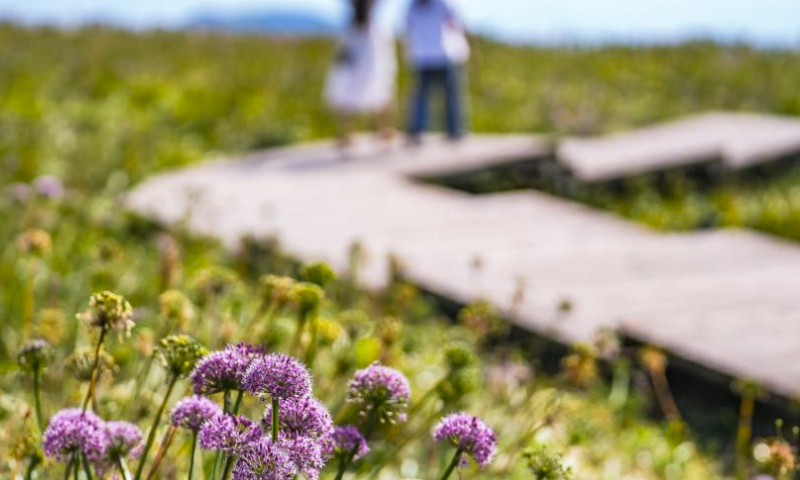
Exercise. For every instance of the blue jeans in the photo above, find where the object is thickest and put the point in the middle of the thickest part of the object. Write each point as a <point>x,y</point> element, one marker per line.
<point>449,79</point>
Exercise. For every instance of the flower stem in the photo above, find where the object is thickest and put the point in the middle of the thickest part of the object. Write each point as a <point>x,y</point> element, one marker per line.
<point>453,465</point>
<point>342,467</point>
<point>31,467</point>
<point>162,451</point>
<point>37,399</point>
<point>275,414</point>
<point>191,456</point>
<point>87,469</point>
<point>76,470</point>
<point>228,466</point>
<point>93,374</point>
<point>311,353</point>
<point>123,468</point>
<point>68,468</point>
<point>152,435</point>
<point>238,403</point>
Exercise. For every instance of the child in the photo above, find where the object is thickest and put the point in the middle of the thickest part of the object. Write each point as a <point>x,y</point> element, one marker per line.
<point>362,81</point>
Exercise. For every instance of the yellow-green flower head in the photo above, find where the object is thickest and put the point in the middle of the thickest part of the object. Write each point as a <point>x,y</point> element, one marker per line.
<point>319,273</point>
<point>109,251</point>
<point>178,354</point>
<point>277,290</point>
<point>545,465</point>
<point>215,282</point>
<point>35,355</point>
<point>328,331</point>
<point>80,364</point>
<point>176,308</point>
<point>28,446</point>
<point>459,356</point>
<point>50,325</point>
<point>390,330</point>
<point>454,390</point>
<point>482,318</point>
<point>35,242</point>
<point>109,311</point>
<point>308,297</point>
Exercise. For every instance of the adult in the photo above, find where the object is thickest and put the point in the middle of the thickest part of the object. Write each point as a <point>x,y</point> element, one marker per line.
<point>437,49</point>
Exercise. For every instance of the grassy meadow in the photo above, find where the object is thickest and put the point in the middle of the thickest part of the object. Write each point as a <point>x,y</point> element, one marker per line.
<point>85,114</point>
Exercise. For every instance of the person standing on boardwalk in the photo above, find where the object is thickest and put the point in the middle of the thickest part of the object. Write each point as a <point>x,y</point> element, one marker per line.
<point>437,49</point>
<point>362,80</point>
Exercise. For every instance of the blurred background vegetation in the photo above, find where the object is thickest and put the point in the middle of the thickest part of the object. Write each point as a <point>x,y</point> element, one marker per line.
<point>101,109</point>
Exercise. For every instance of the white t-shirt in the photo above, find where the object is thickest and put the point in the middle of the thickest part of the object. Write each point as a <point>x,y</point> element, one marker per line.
<point>435,36</point>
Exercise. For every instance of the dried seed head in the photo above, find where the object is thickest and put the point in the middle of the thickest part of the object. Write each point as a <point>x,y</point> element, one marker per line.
<point>109,311</point>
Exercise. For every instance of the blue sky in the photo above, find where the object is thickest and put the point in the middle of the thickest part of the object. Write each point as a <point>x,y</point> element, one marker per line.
<point>766,22</point>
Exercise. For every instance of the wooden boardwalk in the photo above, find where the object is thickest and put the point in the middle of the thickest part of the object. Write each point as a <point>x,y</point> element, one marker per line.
<point>732,140</point>
<point>724,299</point>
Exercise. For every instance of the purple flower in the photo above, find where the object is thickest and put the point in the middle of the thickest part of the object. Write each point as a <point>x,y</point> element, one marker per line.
<point>280,376</point>
<point>380,389</point>
<point>123,440</point>
<point>345,441</point>
<point>228,433</point>
<point>306,454</point>
<point>19,192</point>
<point>74,431</point>
<point>265,460</point>
<point>305,417</point>
<point>49,187</point>
<point>224,369</point>
<point>191,412</point>
<point>469,434</point>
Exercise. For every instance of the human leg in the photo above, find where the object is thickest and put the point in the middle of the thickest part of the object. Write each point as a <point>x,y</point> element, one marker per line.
<point>453,85</point>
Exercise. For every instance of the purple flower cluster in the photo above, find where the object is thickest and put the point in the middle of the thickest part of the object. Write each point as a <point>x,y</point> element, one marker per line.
<point>265,460</point>
<point>382,390</point>
<point>280,376</point>
<point>306,454</point>
<point>469,434</point>
<point>305,417</point>
<point>345,441</point>
<point>73,431</point>
<point>228,433</point>
<point>123,440</point>
<point>224,369</point>
<point>192,412</point>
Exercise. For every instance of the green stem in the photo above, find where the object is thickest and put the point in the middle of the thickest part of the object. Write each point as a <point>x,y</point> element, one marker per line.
<point>275,414</point>
<point>37,399</point>
<point>344,461</point>
<point>226,401</point>
<point>191,456</point>
<point>237,405</point>
<point>31,467</point>
<point>152,435</point>
<point>453,465</point>
<point>93,375</point>
<point>311,353</point>
<point>87,469</point>
<point>228,466</point>
<point>226,407</point>
<point>76,467</point>
<point>123,468</point>
<point>68,468</point>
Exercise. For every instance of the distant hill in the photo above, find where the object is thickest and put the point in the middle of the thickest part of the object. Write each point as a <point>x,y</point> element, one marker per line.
<point>273,22</point>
